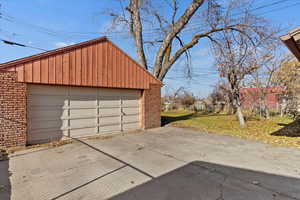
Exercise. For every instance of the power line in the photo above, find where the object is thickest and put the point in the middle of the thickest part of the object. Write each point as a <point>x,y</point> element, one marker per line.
<point>7,17</point>
<point>281,8</point>
<point>11,19</point>
<point>264,6</point>
<point>8,34</point>
<point>115,33</point>
<point>8,42</point>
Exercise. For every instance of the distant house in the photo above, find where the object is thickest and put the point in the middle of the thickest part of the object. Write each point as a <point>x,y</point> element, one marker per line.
<point>253,97</point>
<point>200,104</point>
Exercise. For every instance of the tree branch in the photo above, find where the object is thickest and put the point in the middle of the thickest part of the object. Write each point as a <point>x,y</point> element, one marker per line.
<point>176,28</point>
<point>186,47</point>
<point>136,30</point>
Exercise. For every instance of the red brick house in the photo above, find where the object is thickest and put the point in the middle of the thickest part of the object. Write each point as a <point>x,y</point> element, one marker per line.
<point>90,88</point>
<point>252,97</point>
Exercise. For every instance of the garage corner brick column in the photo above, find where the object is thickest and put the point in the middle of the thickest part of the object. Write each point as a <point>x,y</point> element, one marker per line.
<point>151,107</point>
<point>13,123</point>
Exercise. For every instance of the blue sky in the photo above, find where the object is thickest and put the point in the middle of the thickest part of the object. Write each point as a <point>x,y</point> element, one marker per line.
<point>50,24</point>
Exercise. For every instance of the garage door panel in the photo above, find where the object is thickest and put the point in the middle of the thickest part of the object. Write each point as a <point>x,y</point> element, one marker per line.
<point>48,114</point>
<point>129,111</point>
<point>109,112</point>
<point>45,89</point>
<point>79,113</point>
<point>131,126</point>
<point>118,92</point>
<point>38,137</point>
<point>132,118</point>
<point>83,103</point>
<point>45,124</point>
<point>130,102</point>
<point>55,111</point>
<point>109,120</point>
<point>109,103</point>
<point>82,123</point>
<point>110,128</point>
<point>46,100</point>
<point>83,132</point>
<point>82,91</point>
<point>50,133</point>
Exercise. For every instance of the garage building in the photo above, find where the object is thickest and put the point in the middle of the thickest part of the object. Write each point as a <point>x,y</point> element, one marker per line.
<point>90,88</point>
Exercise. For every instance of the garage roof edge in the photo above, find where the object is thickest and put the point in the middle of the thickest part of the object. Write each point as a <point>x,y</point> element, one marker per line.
<point>291,43</point>
<point>159,81</point>
<point>13,63</point>
<point>51,52</point>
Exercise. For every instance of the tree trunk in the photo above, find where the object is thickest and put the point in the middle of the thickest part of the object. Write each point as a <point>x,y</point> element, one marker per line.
<point>266,109</point>
<point>136,30</point>
<point>237,105</point>
<point>267,113</point>
<point>232,109</point>
<point>240,116</point>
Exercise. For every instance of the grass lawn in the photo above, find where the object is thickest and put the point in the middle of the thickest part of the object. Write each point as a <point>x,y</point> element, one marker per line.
<point>276,131</point>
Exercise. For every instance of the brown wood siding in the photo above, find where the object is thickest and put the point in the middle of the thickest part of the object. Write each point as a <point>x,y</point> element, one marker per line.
<point>45,70</point>
<point>114,56</point>
<point>66,68</point>
<point>100,64</point>
<point>84,66</point>
<point>94,65</point>
<point>58,69</point>
<point>109,66</point>
<point>90,70</point>
<point>78,64</point>
<point>72,68</point>
<point>20,72</point>
<point>36,77</point>
<point>122,71</point>
<point>28,72</point>
<point>51,70</point>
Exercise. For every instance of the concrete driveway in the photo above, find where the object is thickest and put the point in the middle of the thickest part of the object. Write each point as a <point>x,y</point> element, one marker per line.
<point>159,164</point>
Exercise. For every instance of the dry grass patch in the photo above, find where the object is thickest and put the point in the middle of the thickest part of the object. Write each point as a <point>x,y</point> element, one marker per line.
<point>276,131</point>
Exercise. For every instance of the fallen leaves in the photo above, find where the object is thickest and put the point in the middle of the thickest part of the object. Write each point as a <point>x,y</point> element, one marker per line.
<point>276,130</point>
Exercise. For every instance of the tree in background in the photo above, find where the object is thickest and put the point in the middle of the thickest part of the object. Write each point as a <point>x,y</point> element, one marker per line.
<point>170,25</point>
<point>187,99</point>
<point>236,56</point>
<point>221,97</point>
<point>264,79</point>
<point>179,98</point>
<point>288,75</point>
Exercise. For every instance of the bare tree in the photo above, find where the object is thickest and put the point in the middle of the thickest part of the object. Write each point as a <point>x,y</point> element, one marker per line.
<point>221,95</point>
<point>236,57</point>
<point>169,26</point>
<point>288,76</point>
<point>270,61</point>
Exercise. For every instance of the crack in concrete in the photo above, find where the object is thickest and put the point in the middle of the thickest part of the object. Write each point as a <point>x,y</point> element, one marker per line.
<point>259,185</point>
<point>221,185</point>
<point>277,193</point>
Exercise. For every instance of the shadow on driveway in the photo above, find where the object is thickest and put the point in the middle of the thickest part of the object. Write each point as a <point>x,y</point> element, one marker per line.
<point>206,181</point>
<point>5,186</point>
<point>200,180</point>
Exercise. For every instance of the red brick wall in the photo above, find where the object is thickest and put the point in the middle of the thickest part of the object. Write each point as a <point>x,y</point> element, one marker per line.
<point>13,122</point>
<point>251,97</point>
<point>151,101</point>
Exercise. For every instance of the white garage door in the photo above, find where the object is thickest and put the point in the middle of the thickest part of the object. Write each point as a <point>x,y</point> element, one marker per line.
<point>55,111</point>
